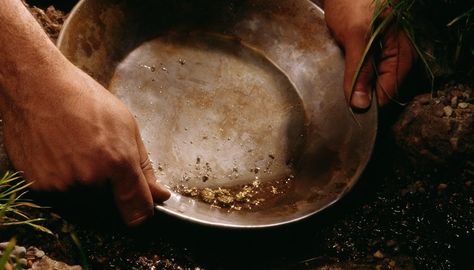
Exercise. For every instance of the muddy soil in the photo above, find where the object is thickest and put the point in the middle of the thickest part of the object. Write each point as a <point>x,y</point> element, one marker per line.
<point>399,216</point>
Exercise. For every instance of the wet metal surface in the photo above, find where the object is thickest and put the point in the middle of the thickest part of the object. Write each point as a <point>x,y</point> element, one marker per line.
<point>226,93</point>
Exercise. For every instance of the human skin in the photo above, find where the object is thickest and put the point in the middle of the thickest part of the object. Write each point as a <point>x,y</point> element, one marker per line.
<point>349,22</point>
<point>62,128</point>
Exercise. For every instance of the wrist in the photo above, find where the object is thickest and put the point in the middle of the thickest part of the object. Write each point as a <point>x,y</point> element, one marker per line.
<point>27,55</point>
<point>23,74</point>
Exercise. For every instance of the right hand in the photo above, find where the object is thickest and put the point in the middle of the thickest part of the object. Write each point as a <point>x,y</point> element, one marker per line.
<point>64,129</point>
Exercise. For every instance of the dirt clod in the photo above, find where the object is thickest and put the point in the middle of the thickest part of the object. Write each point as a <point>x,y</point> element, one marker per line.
<point>430,138</point>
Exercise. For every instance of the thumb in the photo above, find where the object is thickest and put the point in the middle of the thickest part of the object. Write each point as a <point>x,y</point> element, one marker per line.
<point>132,195</point>
<point>360,97</point>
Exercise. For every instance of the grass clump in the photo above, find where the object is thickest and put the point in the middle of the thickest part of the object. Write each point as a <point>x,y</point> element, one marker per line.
<point>13,205</point>
<point>441,32</point>
<point>12,213</point>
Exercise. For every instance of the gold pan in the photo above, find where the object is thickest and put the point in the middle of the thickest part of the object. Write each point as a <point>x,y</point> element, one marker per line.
<point>240,102</point>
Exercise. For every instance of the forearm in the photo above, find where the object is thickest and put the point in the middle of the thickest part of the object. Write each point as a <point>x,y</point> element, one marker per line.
<point>26,52</point>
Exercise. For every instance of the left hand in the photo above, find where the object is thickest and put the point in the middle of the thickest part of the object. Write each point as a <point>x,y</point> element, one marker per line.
<point>349,22</point>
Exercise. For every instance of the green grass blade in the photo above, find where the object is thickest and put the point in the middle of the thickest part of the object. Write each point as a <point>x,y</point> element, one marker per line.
<point>21,185</point>
<point>460,17</point>
<point>31,223</point>
<point>376,34</point>
<point>10,203</point>
<point>4,207</point>
<point>77,243</point>
<point>6,253</point>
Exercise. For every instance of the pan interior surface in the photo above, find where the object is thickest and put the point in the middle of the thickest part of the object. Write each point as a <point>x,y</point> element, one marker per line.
<point>214,113</point>
<point>239,103</point>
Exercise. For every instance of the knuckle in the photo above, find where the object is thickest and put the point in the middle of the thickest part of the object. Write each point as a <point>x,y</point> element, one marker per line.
<point>49,181</point>
<point>116,159</point>
<point>146,164</point>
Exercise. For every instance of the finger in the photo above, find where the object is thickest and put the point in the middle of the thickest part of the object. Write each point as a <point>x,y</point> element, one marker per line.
<point>361,94</point>
<point>397,59</point>
<point>158,192</point>
<point>133,196</point>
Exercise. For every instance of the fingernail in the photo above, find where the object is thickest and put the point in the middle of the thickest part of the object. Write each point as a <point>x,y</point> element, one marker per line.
<point>360,100</point>
<point>166,194</point>
<point>137,219</point>
<point>163,193</point>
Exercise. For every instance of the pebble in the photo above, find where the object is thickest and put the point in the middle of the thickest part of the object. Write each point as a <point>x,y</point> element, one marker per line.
<point>463,105</point>
<point>23,262</point>
<point>391,243</point>
<point>439,113</point>
<point>448,111</point>
<point>392,264</point>
<point>33,253</point>
<point>378,254</point>
<point>454,101</point>
<point>425,99</point>
<point>442,186</point>
<point>19,251</point>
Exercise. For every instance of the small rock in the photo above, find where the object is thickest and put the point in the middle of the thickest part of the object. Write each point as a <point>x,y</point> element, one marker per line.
<point>448,111</point>
<point>47,263</point>
<point>454,143</point>
<point>23,262</point>
<point>55,216</point>
<point>425,99</point>
<point>439,113</point>
<point>392,264</point>
<point>378,254</point>
<point>442,186</point>
<point>34,253</point>
<point>391,243</point>
<point>19,251</point>
<point>463,105</point>
<point>454,101</point>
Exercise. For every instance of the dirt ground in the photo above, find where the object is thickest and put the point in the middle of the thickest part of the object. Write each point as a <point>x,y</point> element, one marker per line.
<point>401,215</point>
